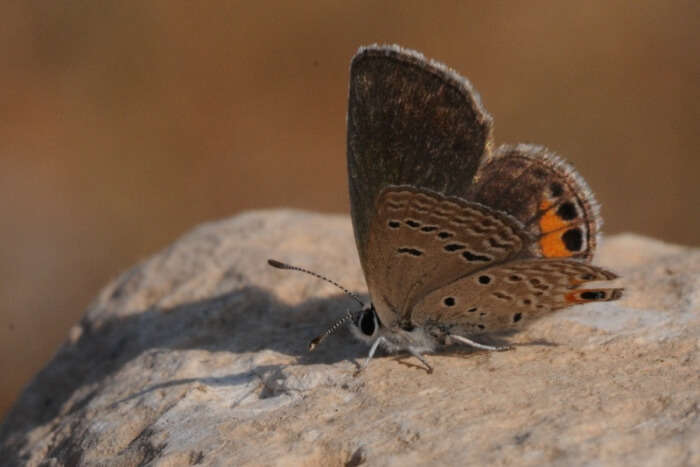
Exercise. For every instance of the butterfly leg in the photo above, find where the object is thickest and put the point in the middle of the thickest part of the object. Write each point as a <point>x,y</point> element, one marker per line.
<point>422,359</point>
<point>464,340</point>
<point>372,350</point>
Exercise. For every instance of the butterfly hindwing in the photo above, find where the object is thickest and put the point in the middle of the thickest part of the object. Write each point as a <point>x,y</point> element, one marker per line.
<point>511,295</point>
<point>546,195</point>
<point>410,121</point>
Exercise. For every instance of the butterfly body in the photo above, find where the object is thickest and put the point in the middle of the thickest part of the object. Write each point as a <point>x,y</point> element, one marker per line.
<point>456,238</point>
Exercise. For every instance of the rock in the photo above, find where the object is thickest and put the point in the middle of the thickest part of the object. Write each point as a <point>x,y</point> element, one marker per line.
<point>198,356</point>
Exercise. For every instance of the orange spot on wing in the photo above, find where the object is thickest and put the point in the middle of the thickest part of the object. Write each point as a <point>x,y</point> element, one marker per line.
<point>575,296</point>
<point>553,246</point>
<point>572,297</point>
<point>552,227</point>
<point>550,220</point>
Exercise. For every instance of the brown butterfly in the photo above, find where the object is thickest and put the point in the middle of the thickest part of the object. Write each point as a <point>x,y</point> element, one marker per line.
<point>455,240</point>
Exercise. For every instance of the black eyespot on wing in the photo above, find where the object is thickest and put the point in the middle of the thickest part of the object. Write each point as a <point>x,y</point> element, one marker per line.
<point>367,323</point>
<point>481,326</point>
<point>573,239</point>
<point>410,251</point>
<point>449,301</point>
<point>567,211</point>
<point>593,295</point>
<point>412,223</point>
<point>445,235</point>
<point>394,224</point>
<point>472,309</point>
<point>429,228</point>
<point>484,279</point>
<point>454,247</point>
<point>517,317</point>
<point>469,256</point>
<point>556,189</point>
<point>515,278</point>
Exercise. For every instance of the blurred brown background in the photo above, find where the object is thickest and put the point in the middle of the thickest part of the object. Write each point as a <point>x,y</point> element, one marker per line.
<point>124,124</point>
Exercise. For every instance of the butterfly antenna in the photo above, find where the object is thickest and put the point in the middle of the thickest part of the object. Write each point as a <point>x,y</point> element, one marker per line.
<point>348,315</point>
<point>317,340</point>
<point>280,265</point>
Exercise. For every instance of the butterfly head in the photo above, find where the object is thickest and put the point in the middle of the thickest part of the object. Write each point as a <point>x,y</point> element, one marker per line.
<point>365,324</point>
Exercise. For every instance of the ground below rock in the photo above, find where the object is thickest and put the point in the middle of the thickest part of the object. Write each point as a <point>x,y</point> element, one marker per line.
<point>198,355</point>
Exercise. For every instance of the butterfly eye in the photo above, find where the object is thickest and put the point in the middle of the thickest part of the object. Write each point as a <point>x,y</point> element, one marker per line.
<point>367,323</point>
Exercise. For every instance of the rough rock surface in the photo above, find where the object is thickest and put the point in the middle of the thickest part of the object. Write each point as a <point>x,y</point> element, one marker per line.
<point>198,356</point>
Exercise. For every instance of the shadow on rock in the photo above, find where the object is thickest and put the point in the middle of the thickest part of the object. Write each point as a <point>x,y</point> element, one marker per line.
<point>245,320</point>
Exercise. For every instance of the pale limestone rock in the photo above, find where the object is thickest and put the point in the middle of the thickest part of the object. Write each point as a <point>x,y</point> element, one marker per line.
<point>198,356</point>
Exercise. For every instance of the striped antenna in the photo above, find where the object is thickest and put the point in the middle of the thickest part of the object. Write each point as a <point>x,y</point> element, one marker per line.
<point>317,340</point>
<point>348,315</point>
<point>280,265</point>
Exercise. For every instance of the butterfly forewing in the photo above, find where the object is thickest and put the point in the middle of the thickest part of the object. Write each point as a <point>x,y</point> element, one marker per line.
<point>410,122</point>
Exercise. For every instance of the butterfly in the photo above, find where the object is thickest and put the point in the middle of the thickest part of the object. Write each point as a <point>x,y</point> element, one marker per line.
<point>456,239</point>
